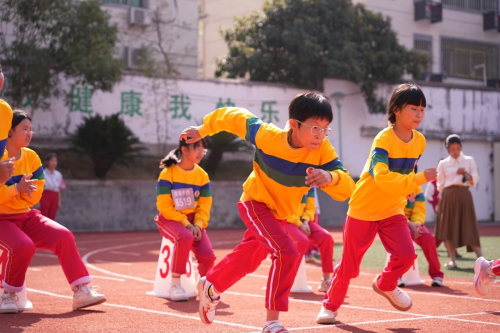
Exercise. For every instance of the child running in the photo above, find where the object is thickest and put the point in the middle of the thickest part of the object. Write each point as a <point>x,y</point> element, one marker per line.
<point>485,272</point>
<point>23,230</point>
<point>378,202</point>
<point>184,199</point>
<point>304,231</point>
<point>6,167</point>
<point>271,195</point>
<point>415,213</point>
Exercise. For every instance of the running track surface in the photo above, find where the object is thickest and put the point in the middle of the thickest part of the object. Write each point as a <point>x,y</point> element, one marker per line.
<point>124,266</point>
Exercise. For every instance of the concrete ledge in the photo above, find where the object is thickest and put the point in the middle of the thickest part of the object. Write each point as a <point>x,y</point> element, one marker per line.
<point>120,205</point>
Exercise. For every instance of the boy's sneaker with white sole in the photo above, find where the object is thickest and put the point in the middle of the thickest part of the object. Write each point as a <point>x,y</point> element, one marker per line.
<point>437,282</point>
<point>87,296</point>
<point>326,316</point>
<point>275,328</point>
<point>176,293</point>
<point>482,279</point>
<point>324,285</point>
<point>8,303</point>
<point>207,302</point>
<point>401,284</point>
<point>398,298</point>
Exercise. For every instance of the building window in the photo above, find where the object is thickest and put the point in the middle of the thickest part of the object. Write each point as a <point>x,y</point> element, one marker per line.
<point>476,6</point>
<point>131,3</point>
<point>423,44</point>
<point>460,57</point>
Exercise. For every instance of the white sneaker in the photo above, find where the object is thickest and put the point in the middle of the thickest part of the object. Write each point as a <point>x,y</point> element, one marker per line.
<point>8,303</point>
<point>275,328</point>
<point>398,298</point>
<point>85,297</point>
<point>176,293</point>
<point>482,278</point>
<point>401,284</point>
<point>326,316</point>
<point>437,282</point>
<point>207,303</point>
<point>324,285</point>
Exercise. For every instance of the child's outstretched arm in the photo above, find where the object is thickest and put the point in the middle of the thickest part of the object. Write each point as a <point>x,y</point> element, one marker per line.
<point>234,120</point>
<point>396,182</point>
<point>331,176</point>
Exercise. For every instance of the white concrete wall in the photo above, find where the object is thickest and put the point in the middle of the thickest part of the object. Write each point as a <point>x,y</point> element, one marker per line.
<point>472,114</point>
<point>475,115</point>
<point>157,124</point>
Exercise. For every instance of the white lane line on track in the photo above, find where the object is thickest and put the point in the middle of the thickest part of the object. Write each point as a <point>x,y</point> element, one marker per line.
<point>407,291</point>
<point>133,308</point>
<point>107,278</point>
<point>135,254</point>
<point>420,316</point>
<point>34,269</point>
<point>113,262</point>
<point>128,277</point>
<point>445,317</point>
<point>45,255</point>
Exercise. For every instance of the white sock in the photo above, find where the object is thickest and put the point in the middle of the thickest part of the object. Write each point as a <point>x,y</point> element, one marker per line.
<point>272,322</point>
<point>176,279</point>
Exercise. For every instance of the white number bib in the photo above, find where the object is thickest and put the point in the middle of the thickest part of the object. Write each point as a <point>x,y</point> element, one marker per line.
<point>183,198</point>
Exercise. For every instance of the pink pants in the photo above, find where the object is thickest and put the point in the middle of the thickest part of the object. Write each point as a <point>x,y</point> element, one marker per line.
<point>49,204</point>
<point>183,243</point>
<point>496,268</point>
<point>22,234</point>
<point>265,235</point>
<point>358,237</point>
<point>427,243</point>
<point>319,237</point>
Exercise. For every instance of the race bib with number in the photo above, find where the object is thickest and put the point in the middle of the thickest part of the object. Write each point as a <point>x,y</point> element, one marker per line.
<point>183,198</point>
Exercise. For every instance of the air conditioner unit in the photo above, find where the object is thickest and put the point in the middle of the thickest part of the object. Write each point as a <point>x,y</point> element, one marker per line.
<point>139,16</point>
<point>428,10</point>
<point>494,83</point>
<point>132,57</point>
<point>491,21</point>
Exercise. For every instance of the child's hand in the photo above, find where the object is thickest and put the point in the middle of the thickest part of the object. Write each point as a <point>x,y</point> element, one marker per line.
<point>6,170</point>
<point>318,178</point>
<point>305,228</point>
<point>196,231</point>
<point>26,185</point>
<point>191,135</point>
<point>416,229</point>
<point>430,174</point>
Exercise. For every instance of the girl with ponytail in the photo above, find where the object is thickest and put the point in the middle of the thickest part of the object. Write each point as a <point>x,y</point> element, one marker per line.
<point>184,199</point>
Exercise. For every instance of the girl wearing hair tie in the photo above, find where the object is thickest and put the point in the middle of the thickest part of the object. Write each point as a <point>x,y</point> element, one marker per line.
<point>456,222</point>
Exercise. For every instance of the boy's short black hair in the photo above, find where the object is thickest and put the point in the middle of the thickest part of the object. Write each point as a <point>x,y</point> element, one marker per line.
<point>310,105</point>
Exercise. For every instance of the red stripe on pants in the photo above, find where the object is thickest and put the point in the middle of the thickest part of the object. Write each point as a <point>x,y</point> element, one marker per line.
<point>358,237</point>
<point>496,268</point>
<point>265,235</point>
<point>49,204</point>
<point>22,234</point>
<point>184,242</point>
<point>427,242</point>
